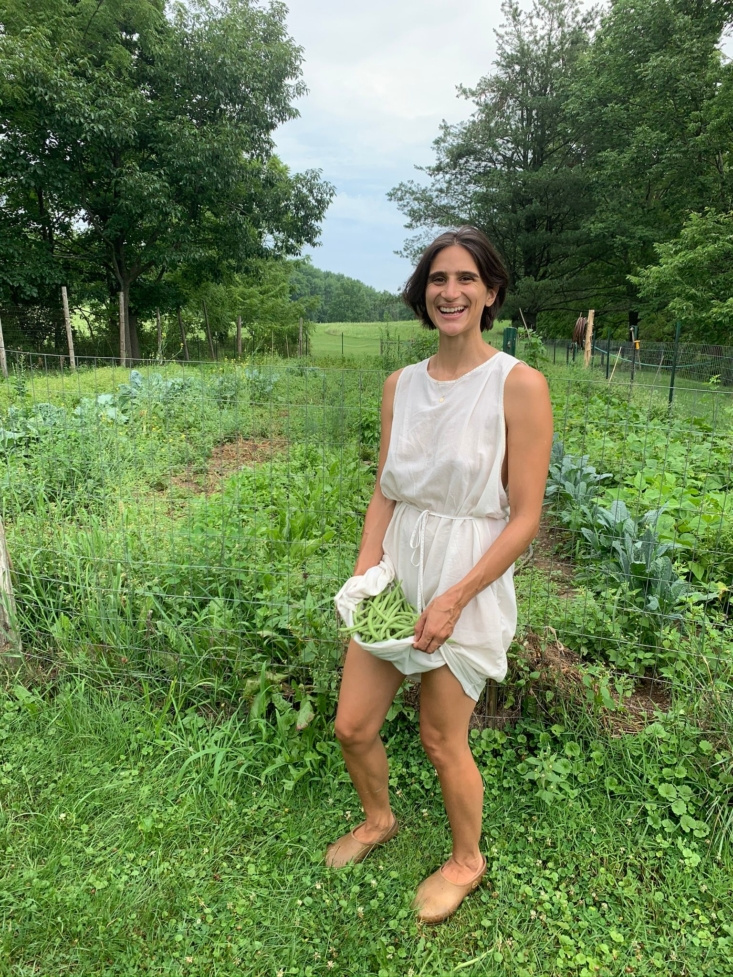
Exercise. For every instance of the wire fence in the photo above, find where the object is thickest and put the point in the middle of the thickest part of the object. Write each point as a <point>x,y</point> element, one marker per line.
<point>190,524</point>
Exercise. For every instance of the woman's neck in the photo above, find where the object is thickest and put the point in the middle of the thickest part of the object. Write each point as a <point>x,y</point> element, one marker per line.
<point>458,355</point>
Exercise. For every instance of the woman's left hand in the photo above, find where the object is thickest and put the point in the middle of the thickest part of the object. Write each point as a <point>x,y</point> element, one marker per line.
<point>436,624</point>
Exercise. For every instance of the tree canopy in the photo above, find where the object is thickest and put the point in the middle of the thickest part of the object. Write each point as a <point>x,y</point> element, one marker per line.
<point>136,139</point>
<point>591,143</point>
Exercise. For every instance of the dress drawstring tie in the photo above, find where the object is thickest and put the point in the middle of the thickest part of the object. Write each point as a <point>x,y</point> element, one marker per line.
<point>417,545</point>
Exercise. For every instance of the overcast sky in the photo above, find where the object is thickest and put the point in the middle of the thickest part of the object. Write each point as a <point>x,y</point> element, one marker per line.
<point>381,77</point>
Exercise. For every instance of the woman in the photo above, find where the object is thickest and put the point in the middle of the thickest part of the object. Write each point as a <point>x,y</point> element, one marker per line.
<point>462,433</point>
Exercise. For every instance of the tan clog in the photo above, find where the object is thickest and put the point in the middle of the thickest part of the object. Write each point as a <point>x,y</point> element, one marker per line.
<point>348,850</point>
<point>437,897</point>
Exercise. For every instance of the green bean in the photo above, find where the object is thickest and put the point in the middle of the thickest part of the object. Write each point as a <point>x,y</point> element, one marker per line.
<point>387,616</point>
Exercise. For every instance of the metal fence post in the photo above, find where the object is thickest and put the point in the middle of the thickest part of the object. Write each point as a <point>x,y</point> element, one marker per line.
<point>677,331</point>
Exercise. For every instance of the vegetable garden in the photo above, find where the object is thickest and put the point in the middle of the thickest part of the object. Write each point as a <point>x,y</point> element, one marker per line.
<point>170,779</point>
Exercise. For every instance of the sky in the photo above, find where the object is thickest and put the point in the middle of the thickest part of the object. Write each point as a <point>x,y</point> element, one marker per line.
<point>381,77</point>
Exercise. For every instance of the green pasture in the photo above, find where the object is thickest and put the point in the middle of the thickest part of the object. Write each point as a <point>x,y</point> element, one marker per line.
<point>357,339</point>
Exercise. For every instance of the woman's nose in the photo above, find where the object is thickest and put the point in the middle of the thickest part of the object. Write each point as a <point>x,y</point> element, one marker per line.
<point>450,288</point>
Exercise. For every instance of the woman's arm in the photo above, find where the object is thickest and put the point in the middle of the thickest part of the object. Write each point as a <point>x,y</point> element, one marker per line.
<point>528,416</point>
<point>380,509</point>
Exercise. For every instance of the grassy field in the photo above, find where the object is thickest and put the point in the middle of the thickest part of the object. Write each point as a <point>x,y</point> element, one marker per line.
<point>357,339</point>
<point>168,774</point>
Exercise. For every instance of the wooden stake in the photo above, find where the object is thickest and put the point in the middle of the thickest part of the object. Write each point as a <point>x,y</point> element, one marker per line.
<point>614,366</point>
<point>239,337</point>
<point>300,336</point>
<point>3,357</point>
<point>588,339</point>
<point>67,320</point>
<point>160,336</point>
<point>183,334</point>
<point>526,327</point>
<point>123,331</point>
<point>10,646</point>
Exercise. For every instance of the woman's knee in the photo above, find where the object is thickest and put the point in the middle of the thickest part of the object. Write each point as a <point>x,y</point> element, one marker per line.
<point>354,733</point>
<point>442,749</point>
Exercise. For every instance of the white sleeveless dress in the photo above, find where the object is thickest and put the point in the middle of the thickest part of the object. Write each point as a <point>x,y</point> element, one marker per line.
<point>443,470</point>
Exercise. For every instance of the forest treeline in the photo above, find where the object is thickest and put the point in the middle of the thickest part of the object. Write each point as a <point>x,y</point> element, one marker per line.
<point>331,297</point>
<point>137,158</point>
<point>598,158</point>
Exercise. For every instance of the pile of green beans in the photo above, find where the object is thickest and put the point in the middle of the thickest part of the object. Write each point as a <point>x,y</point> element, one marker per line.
<point>386,617</point>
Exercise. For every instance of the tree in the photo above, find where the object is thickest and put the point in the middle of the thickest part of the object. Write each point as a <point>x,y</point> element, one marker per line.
<point>513,168</point>
<point>692,279</point>
<point>136,138</point>
<point>651,108</point>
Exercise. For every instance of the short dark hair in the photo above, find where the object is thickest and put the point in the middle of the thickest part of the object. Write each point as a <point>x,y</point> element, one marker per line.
<point>488,261</point>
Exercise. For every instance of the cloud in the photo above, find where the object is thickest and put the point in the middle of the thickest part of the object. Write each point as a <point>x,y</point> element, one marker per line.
<point>381,78</point>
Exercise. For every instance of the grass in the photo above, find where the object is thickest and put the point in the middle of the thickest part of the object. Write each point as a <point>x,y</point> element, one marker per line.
<point>174,821</point>
<point>138,838</point>
<point>356,339</point>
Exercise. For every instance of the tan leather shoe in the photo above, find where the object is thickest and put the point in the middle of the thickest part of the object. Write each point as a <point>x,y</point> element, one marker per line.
<point>437,897</point>
<point>348,850</point>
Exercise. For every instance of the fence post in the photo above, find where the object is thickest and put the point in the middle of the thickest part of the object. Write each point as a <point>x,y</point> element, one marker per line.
<point>342,345</point>
<point>10,645</point>
<point>588,345</point>
<point>67,322</point>
<point>608,352</point>
<point>677,331</point>
<point>300,337</point>
<point>159,357</point>
<point>3,357</point>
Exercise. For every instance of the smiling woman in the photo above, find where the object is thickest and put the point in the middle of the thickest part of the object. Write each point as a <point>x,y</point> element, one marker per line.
<point>463,432</point>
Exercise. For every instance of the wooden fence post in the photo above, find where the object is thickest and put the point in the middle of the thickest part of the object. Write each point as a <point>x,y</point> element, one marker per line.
<point>10,646</point>
<point>239,337</point>
<point>67,321</point>
<point>159,356</point>
<point>588,339</point>
<point>300,336</point>
<point>3,357</point>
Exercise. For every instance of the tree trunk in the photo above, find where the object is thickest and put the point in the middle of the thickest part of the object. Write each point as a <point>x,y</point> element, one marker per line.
<point>184,343</point>
<point>209,337</point>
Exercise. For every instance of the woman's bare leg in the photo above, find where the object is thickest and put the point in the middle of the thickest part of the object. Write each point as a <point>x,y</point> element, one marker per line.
<point>368,688</point>
<point>445,711</point>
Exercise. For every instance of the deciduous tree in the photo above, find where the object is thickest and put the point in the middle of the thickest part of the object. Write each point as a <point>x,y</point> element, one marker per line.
<point>136,137</point>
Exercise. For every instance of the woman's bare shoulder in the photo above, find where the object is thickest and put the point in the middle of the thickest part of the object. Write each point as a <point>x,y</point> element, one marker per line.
<point>526,392</point>
<point>390,384</point>
<point>524,380</point>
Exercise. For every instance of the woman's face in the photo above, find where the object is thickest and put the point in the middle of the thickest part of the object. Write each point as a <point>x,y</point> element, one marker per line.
<point>456,296</point>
